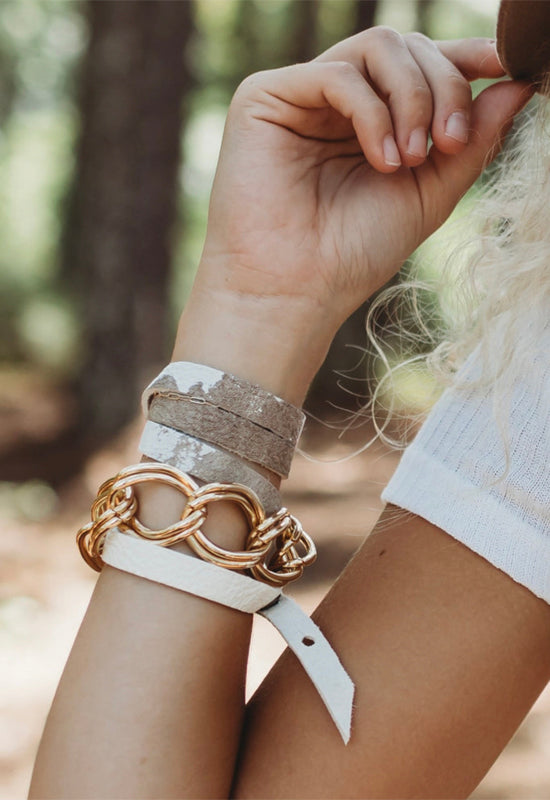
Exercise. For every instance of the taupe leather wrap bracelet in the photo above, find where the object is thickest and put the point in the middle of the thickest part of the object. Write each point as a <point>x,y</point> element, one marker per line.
<point>227,412</point>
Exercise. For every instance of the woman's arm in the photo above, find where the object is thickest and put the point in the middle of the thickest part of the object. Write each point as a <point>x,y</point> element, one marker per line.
<point>448,654</point>
<point>151,699</point>
<point>309,215</point>
<point>449,651</point>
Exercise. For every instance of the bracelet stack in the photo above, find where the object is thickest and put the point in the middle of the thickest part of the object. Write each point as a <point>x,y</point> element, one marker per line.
<point>218,427</point>
<point>277,548</point>
<point>206,425</point>
<point>206,462</point>
<point>195,402</point>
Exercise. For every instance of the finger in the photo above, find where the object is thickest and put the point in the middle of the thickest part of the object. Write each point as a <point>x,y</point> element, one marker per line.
<point>451,92</point>
<point>285,93</point>
<point>395,74</point>
<point>475,58</point>
<point>382,58</point>
<point>444,178</point>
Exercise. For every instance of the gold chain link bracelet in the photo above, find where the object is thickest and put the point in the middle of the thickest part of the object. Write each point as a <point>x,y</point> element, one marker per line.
<point>277,548</point>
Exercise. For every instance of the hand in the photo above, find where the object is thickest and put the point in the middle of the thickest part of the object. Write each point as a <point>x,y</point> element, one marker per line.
<point>324,186</point>
<point>308,198</point>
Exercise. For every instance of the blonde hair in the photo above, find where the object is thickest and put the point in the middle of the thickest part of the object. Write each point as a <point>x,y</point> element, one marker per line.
<point>500,275</point>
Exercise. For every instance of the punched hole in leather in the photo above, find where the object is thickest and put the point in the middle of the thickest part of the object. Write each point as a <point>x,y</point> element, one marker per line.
<point>162,565</point>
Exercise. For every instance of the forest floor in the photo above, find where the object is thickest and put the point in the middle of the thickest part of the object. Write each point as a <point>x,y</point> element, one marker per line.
<point>45,588</point>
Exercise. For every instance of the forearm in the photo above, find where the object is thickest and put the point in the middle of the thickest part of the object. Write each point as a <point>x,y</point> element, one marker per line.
<point>151,700</point>
<point>447,653</point>
<point>275,341</point>
<point>152,693</point>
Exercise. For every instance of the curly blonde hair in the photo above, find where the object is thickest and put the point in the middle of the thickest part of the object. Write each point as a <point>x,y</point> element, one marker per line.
<point>499,303</point>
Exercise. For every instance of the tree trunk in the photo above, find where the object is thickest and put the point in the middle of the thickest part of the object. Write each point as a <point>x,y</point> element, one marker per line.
<point>246,34</point>
<point>118,243</point>
<point>303,16</point>
<point>365,14</point>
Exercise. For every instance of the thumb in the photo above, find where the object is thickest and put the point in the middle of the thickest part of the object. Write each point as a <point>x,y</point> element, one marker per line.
<point>444,178</point>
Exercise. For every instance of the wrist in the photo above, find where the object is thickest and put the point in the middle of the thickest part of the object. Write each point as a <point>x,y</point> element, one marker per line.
<point>276,343</point>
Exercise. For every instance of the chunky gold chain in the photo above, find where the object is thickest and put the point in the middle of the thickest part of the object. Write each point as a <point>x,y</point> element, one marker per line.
<point>277,548</point>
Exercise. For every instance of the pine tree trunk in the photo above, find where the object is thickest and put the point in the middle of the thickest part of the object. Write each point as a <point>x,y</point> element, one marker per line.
<point>303,39</point>
<point>118,242</point>
<point>365,14</point>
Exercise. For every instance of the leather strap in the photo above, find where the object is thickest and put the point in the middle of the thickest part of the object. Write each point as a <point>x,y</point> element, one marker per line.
<point>139,557</point>
<point>317,657</point>
<point>230,393</point>
<point>224,429</point>
<point>206,462</point>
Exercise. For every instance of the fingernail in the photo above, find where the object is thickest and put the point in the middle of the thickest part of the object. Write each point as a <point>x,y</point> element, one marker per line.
<point>391,153</point>
<point>418,143</point>
<point>457,127</point>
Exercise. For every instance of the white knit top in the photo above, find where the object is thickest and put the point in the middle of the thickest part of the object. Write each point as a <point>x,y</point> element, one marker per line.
<point>449,474</point>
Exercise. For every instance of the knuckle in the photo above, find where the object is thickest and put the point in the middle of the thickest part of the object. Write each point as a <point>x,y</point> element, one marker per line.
<point>413,98</point>
<point>385,35</point>
<point>249,85</point>
<point>458,85</point>
<point>419,95</point>
<point>376,116</point>
<point>344,69</point>
<point>417,38</point>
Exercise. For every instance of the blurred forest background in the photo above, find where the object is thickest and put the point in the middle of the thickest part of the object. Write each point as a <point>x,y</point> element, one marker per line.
<point>111,116</point>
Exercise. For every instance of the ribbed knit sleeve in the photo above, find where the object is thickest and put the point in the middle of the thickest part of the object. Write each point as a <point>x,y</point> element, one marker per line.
<point>450,474</point>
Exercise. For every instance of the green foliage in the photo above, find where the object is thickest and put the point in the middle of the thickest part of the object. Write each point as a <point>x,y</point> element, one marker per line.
<point>39,41</point>
<point>238,37</point>
<point>458,20</point>
<point>336,21</point>
<point>40,46</point>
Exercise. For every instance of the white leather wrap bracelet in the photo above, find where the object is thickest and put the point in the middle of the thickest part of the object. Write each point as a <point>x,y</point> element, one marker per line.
<point>205,462</point>
<point>139,557</point>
